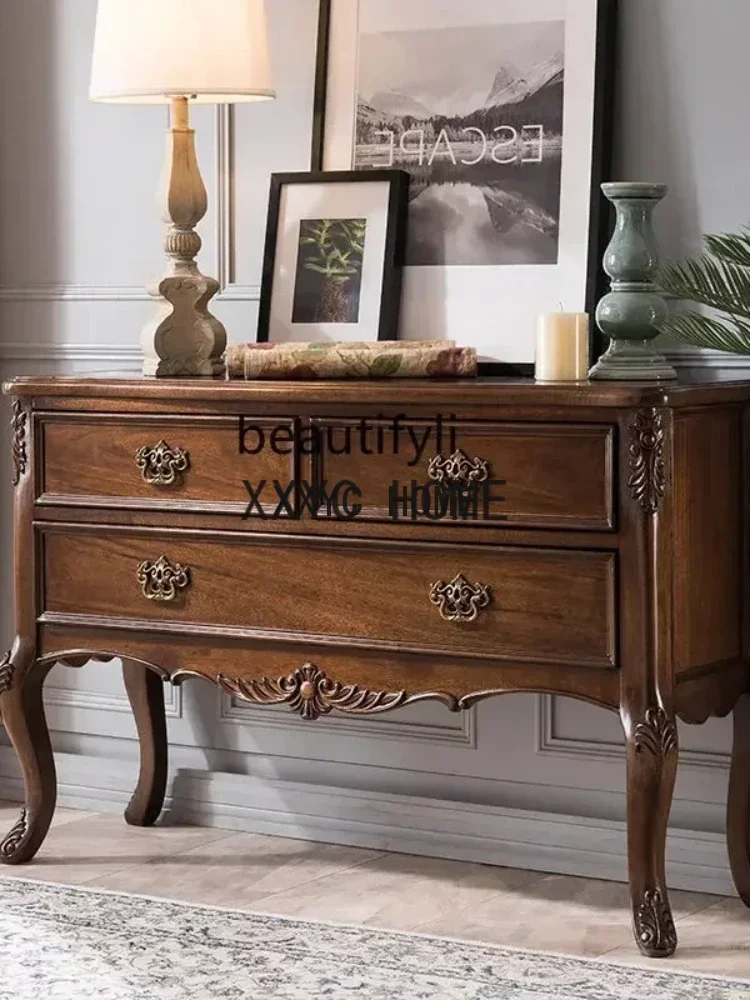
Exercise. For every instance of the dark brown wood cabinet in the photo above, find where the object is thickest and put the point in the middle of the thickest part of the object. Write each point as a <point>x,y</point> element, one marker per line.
<point>193,528</point>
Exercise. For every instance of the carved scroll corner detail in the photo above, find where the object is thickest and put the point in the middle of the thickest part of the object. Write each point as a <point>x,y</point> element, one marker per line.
<point>654,926</point>
<point>7,669</point>
<point>18,423</point>
<point>648,478</point>
<point>657,734</point>
<point>14,839</point>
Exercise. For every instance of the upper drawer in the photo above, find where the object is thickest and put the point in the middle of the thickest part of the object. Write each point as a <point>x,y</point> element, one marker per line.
<point>537,605</point>
<point>554,475</point>
<point>158,463</point>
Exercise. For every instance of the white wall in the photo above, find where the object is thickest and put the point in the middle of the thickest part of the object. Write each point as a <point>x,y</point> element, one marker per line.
<point>78,238</point>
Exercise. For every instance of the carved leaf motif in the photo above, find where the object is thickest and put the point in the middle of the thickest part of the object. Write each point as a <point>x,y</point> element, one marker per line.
<point>311,693</point>
<point>459,600</point>
<point>162,580</point>
<point>657,734</point>
<point>459,468</point>
<point>161,465</point>
<point>18,422</point>
<point>12,842</point>
<point>647,483</point>
<point>6,673</point>
<point>654,926</point>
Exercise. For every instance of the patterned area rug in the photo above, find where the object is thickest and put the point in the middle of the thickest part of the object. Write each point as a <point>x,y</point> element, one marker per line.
<point>69,944</point>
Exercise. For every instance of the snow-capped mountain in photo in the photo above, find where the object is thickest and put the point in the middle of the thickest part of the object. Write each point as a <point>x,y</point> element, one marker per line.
<point>510,87</point>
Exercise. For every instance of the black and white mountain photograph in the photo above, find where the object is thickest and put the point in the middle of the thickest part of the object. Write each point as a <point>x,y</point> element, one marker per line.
<point>475,114</point>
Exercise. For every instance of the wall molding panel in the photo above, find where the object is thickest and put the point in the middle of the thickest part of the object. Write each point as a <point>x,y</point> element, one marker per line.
<point>231,291</point>
<point>77,698</point>
<point>234,712</point>
<point>73,293</point>
<point>125,355</point>
<point>549,742</point>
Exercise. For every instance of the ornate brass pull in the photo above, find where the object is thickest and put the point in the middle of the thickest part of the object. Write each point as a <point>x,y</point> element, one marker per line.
<point>162,465</point>
<point>459,468</point>
<point>162,580</point>
<point>459,600</point>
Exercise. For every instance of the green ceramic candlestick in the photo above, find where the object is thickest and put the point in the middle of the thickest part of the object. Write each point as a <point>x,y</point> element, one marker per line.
<point>631,313</point>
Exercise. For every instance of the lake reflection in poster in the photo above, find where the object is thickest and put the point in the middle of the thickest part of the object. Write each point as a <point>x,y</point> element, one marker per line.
<point>475,114</point>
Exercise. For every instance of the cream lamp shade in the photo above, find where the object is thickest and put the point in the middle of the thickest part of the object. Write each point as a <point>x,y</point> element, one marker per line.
<point>212,51</point>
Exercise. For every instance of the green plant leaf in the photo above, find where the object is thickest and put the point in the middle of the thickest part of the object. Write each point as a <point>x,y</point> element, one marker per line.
<point>710,282</point>
<point>704,331</point>
<point>733,248</point>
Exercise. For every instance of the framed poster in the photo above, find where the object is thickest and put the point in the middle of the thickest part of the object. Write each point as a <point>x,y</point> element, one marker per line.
<point>498,110</point>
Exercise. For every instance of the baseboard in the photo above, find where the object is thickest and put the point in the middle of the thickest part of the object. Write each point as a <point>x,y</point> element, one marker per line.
<point>515,838</point>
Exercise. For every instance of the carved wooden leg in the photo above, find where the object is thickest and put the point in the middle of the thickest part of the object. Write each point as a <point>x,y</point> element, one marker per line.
<point>738,803</point>
<point>146,693</point>
<point>22,710</point>
<point>651,772</point>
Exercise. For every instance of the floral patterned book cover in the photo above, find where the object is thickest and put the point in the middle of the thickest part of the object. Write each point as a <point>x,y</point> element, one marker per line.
<point>348,360</point>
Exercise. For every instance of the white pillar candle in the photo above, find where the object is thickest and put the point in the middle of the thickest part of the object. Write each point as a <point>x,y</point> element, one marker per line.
<point>562,347</point>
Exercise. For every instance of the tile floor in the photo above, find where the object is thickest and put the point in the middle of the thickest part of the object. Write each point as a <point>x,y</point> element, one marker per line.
<point>351,885</point>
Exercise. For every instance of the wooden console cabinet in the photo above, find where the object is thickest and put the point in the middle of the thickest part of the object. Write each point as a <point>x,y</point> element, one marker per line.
<point>613,566</point>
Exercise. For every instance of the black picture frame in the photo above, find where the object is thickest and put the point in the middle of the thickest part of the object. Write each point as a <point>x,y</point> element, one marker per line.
<point>395,243</point>
<point>601,157</point>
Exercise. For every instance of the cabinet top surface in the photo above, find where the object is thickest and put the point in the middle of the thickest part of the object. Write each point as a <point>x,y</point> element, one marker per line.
<point>499,392</point>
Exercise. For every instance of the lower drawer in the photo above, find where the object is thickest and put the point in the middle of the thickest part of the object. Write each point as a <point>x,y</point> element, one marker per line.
<point>537,605</point>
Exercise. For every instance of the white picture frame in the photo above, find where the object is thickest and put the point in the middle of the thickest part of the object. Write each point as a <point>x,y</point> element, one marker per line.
<point>536,260</point>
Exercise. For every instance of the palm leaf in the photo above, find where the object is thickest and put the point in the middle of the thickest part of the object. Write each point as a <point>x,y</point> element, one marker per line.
<point>704,331</point>
<point>732,248</point>
<point>718,278</point>
<point>702,279</point>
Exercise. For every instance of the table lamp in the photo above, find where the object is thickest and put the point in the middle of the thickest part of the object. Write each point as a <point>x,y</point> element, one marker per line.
<point>176,51</point>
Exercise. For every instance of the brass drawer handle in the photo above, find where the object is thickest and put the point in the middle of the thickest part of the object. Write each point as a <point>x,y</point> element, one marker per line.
<point>459,468</point>
<point>459,600</point>
<point>162,580</point>
<point>162,465</point>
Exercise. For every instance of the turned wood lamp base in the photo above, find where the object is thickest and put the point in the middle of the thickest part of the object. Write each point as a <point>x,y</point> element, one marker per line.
<point>183,339</point>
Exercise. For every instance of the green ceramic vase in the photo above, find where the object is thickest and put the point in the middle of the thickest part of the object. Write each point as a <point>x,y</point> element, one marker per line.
<point>632,311</point>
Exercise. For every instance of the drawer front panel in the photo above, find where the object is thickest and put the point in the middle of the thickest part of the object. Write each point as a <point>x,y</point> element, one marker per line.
<point>529,604</point>
<point>158,464</point>
<point>554,476</point>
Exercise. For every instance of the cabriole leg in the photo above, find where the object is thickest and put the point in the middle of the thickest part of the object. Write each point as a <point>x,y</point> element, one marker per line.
<point>22,709</point>
<point>651,770</point>
<point>146,693</point>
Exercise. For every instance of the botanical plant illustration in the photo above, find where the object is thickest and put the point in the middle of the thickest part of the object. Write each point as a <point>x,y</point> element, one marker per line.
<point>329,270</point>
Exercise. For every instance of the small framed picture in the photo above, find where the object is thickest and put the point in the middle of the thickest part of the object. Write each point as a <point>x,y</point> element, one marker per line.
<point>334,252</point>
